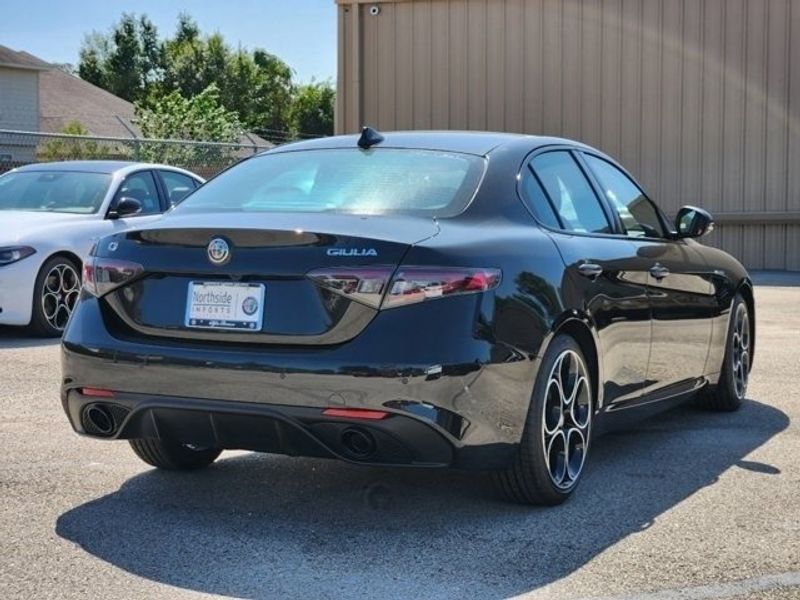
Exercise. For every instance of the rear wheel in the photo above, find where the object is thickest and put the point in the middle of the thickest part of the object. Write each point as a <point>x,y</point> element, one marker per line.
<point>549,461</point>
<point>54,296</point>
<point>731,389</point>
<point>173,456</point>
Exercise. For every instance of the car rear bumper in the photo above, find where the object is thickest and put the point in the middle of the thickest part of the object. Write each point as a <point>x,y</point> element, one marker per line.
<point>466,411</point>
<point>396,439</point>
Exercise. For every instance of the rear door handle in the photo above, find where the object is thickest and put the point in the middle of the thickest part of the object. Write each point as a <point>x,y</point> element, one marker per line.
<point>659,271</point>
<point>590,270</point>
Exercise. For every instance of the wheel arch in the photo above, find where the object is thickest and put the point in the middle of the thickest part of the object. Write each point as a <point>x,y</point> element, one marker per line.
<point>581,329</point>
<point>58,253</point>
<point>66,254</point>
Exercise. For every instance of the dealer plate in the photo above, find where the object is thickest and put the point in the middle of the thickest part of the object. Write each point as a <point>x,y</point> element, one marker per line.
<point>225,305</point>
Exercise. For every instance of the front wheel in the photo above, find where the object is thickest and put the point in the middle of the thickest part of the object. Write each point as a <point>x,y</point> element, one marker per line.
<point>173,456</point>
<point>54,296</point>
<point>731,389</point>
<point>555,442</point>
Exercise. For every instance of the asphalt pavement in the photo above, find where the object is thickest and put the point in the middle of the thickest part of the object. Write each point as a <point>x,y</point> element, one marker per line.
<point>687,505</point>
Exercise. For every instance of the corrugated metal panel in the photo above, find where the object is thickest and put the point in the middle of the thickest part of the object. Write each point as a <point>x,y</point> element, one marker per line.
<point>699,98</point>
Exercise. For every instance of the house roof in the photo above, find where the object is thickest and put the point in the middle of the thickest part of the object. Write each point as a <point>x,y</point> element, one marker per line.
<point>21,60</point>
<point>64,98</point>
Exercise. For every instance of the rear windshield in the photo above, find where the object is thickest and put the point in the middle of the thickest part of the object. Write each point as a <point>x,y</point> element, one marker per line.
<point>53,191</point>
<point>375,181</point>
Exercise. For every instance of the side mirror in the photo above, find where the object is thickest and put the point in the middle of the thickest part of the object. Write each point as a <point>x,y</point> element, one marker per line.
<point>125,207</point>
<point>693,222</point>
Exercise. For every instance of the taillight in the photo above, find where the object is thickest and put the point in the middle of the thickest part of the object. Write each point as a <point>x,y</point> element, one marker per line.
<point>102,275</point>
<point>362,284</point>
<point>376,287</point>
<point>415,284</point>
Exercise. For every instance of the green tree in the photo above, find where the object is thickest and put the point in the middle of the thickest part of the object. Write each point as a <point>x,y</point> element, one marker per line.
<point>312,109</point>
<point>125,62</point>
<point>201,117</point>
<point>256,85</point>
<point>133,62</point>
<point>184,61</point>
<point>71,148</point>
<point>273,93</point>
<point>93,59</point>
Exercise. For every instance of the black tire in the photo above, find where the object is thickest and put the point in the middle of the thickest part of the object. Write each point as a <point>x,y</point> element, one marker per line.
<point>173,456</point>
<point>53,302</point>
<point>529,479</point>
<point>731,389</point>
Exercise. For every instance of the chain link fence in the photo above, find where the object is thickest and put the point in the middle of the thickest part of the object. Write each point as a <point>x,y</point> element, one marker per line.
<point>204,158</point>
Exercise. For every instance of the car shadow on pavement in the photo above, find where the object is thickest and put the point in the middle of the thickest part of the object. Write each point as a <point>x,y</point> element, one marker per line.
<point>255,526</point>
<point>18,337</point>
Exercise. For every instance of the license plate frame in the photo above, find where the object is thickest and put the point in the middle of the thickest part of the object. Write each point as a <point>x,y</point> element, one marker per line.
<point>225,306</point>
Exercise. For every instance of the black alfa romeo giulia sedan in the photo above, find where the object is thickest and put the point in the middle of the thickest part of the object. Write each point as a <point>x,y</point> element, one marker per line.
<point>437,299</point>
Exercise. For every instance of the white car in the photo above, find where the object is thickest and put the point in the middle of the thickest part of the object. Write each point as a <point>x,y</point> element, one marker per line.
<point>50,215</point>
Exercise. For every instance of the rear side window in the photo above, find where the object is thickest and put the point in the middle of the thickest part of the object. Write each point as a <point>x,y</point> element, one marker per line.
<point>570,193</point>
<point>375,181</point>
<point>177,185</point>
<point>534,196</point>
<point>638,214</point>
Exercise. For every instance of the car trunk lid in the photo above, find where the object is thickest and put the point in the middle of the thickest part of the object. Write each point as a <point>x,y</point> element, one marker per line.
<point>269,258</point>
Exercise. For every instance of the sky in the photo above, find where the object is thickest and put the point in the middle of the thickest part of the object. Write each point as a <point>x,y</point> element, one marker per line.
<point>301,32</point>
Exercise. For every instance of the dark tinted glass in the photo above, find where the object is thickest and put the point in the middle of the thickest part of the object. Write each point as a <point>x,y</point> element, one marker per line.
<point>570,192</point>
<point>141,186</point>
<point>637,213</point>
<point>533,194</point>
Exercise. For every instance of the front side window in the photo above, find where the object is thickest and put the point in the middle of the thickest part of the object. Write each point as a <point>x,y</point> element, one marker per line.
<point>141,186</point>
<point>53,191</point>
<point>638,215</point>
<point>375,181</point>
<point>570,193</point>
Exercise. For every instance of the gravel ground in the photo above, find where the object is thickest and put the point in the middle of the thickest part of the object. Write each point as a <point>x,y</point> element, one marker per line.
<point>689,505</point>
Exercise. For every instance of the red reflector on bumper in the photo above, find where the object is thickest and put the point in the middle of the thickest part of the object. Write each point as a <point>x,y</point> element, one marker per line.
<point>355,413</point>
<point>97,392</point>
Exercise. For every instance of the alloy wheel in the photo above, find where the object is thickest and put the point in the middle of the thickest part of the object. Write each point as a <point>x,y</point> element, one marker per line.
<point>567,419</point>
<point>741,351</point>
<point>59,295</point>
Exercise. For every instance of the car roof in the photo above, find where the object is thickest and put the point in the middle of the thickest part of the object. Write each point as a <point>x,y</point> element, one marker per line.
<point>95,166</point>
<point>470,142</point>
<point>87,166</point>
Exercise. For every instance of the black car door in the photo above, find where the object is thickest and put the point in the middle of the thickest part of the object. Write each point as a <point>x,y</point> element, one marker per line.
<point>681,296</point>
<point>601,277</point>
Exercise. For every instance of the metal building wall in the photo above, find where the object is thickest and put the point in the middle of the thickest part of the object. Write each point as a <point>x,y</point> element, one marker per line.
<point>699,98</point>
